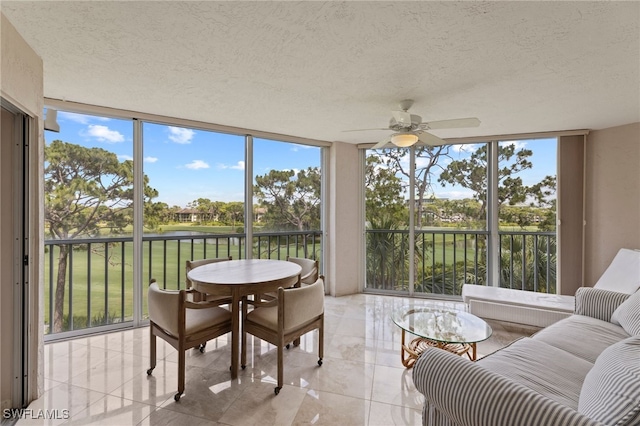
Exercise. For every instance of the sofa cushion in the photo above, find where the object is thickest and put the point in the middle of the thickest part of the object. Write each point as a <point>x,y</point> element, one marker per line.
<point>582,336</point>
<point>550,371</point>
<point>611,390</point>
<point>628,315</point>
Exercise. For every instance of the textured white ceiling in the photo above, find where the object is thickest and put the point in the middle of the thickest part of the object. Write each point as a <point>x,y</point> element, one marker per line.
<point>314,69</point>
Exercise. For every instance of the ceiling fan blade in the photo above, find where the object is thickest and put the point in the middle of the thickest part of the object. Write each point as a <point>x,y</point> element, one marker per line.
<point>429,139</point>
<point>382,143</point>
<point>402,117</point>
<point>365,130</point>
<point>456,123</point>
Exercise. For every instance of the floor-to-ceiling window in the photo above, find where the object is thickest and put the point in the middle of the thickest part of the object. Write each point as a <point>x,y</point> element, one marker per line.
<point>287,197</point>
<point>89,201</point>
<point>433,214</point>
<point>111,227</point>
<point>194,182</point>
<point>526,201</point>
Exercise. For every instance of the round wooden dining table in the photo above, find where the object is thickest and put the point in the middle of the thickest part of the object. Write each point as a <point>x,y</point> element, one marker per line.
<point>240,278</point>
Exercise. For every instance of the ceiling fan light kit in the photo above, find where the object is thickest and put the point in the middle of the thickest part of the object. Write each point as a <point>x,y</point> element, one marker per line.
<point>409,128</point>
<point>404,140</point>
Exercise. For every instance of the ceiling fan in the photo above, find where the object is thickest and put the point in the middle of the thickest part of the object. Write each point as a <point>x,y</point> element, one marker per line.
<point>409,128</point>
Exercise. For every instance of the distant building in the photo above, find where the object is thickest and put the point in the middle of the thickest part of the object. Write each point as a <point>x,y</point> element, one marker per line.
<point>258,213</point>
<point>188,215</point>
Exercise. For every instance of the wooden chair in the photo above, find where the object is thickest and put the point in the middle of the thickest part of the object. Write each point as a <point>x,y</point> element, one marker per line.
<point>183,323</point>
<point>192,264</point>
<point>310,269</point>
<point>308,275</point>
<point>295,312</point>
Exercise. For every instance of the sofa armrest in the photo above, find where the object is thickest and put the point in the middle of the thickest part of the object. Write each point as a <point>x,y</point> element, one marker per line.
<point>598,303</point>
<point>470,395</point>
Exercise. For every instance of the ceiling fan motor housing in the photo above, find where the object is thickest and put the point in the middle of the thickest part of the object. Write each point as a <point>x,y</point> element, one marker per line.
<point>416,120</point>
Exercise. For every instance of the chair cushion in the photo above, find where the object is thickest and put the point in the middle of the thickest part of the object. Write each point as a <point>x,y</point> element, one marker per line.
<point>611,390</point>
<point>301,306</point>
<point>200,319</point>
<point>164,306</point>
<point>266,316</point>
<point>628,315</point>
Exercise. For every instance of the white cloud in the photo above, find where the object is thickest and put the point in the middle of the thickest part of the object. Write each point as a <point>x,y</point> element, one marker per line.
<point>104,134</point>
<point>238,166</point>
<point>454,194</point>
<point>196,165</point>
<point>180,135</point>
<point>519,144</point>
<point>125,157</point>
<point>297,147</point>
<point>78,118</point>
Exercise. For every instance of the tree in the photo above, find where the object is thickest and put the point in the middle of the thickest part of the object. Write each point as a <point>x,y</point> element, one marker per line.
<point>233,213</point>
<point>471,174</point>
<point>292,199</point>
<point>86,190</point>
<point>383,193</point>
<point>427,160</point>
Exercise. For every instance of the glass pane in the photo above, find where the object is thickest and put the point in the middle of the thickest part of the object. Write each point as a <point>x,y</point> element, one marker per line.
<point>287,205</point>
<point>387,178</point>
<point>450,186</point>
<point>194,200</point>
<point>88,222</point>
<point>527,214</point>
<point>451,237</point>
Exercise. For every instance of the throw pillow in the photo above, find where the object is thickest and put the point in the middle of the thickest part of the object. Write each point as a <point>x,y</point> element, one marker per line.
<point>623,274</point>
<point>611,390</point>
<point>627,315</point>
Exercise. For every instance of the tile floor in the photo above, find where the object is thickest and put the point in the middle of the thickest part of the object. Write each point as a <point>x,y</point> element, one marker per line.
<point>102,379</point>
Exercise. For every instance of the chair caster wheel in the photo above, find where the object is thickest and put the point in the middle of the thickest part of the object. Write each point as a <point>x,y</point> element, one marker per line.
<point>243,366</point>
<point>149,371</point>
<point>202,346</point>
<point>277,390</point>
<point>288,346</point>
<point>177,396</point>
<point>320,361</point>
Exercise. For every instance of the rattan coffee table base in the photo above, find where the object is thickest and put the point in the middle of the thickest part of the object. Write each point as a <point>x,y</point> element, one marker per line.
<point>410,353</point>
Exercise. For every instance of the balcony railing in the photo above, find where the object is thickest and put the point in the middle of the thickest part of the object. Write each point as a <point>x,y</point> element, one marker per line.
<point>446,259</point>
<point>99,275</point>
<point>98,281</point>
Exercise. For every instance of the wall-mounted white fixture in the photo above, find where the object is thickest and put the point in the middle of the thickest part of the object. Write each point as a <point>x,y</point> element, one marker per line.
<point>51,120</point>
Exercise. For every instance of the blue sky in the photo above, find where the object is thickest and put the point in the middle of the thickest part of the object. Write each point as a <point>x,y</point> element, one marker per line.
<point>185,164</point>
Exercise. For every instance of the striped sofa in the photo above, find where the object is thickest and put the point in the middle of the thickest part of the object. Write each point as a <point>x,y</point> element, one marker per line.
<point>581,370</point>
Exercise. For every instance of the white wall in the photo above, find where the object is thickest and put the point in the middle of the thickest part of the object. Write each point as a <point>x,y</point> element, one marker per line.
<point>21,84</point>
<point>612,196</point>
<point>345,223</point>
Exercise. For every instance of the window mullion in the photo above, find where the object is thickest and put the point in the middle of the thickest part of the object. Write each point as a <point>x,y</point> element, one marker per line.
<point>138,220</point>
<point>493,245</point>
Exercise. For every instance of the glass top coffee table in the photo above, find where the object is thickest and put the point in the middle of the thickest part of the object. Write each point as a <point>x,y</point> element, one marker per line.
<point>449,329</point>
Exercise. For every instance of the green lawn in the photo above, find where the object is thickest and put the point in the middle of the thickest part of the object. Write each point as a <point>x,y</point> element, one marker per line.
<point>101,279</point>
